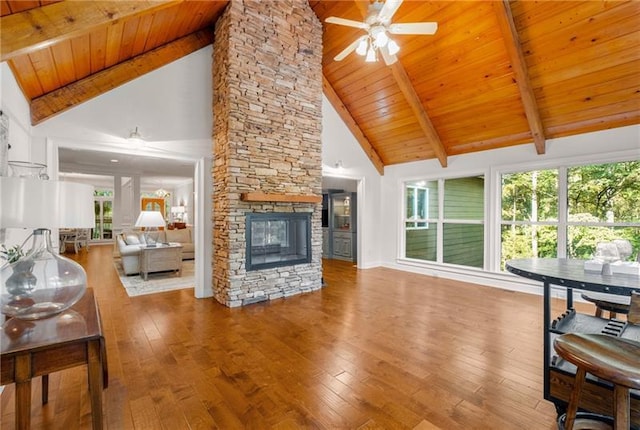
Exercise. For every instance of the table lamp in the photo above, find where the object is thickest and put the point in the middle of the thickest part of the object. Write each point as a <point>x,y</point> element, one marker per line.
<point>150,220</point>
<point>178,212</point>
<point>42,283</point>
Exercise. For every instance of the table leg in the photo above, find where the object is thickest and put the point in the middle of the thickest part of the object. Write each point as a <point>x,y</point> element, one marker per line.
<point>23,391</point>
<point>547,340</point>
<point>95,383</point>
<point>45,389</point>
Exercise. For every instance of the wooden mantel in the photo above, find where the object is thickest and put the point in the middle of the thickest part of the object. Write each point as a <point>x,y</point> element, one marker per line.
<point>287,198</point>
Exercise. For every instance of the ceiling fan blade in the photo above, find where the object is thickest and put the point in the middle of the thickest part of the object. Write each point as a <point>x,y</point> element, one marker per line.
<point>390,7</point>
<point>387,57</point>
<point>347,22</point>
<point>413,28</point>
<point>346,51</point>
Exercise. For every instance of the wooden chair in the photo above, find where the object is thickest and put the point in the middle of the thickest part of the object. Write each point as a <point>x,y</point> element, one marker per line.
<point>606,357</point>
<point>79,239</point>
<point>606,302</point>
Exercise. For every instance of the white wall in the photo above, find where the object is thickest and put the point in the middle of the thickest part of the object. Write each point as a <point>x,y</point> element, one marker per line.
<point>15,106</point>
<point>339,144</point>
<point>184,194</point>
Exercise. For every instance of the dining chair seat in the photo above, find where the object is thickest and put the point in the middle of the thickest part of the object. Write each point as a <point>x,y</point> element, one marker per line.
<point>607,302</point>
<point>606,357</point>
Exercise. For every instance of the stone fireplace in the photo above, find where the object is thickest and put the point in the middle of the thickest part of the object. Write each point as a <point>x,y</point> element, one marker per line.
<point>267,104</point>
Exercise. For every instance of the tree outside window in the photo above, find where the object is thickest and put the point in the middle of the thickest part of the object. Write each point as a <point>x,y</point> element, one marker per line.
<point>602,205</point>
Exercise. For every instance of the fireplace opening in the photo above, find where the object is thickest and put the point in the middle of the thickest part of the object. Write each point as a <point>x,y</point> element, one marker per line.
<point>278,239</point>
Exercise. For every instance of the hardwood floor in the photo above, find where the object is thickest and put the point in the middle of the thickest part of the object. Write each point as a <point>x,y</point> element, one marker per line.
<point>374,349</point>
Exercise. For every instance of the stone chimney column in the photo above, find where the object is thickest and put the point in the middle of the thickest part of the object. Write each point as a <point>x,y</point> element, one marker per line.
<point>267,106</point>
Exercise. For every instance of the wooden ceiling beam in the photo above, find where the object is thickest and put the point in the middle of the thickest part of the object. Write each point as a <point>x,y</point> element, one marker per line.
<point>352,125</point>
<point>406,87</point>
<point>28,31</point>
<point>414,102</point>
<point>99,83</point>
<point>514,49</point>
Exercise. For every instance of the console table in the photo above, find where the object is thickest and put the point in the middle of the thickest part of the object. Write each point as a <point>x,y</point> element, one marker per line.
<point>160,258</point>
<point>40,347</point>
<point>558,374</point>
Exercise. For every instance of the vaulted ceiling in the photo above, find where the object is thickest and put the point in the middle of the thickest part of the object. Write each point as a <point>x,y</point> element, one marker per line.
<point>495,74</point>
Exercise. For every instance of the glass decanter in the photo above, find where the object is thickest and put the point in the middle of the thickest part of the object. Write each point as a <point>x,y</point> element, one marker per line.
<point>42,283</point>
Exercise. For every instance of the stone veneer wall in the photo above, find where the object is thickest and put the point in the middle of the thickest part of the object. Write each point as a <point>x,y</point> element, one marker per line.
<point>267,104</point>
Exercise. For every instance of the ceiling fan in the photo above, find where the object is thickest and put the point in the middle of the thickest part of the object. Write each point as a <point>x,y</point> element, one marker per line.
<point>377,24</point>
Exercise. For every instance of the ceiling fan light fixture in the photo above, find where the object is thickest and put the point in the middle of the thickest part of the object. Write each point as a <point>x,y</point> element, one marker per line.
<point>362,47</point>
<point>379,36</point>
<point>393,47</point>
<point>371,55</point>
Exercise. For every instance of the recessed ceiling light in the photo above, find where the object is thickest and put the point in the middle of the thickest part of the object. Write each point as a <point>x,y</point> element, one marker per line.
<point>113,160</point>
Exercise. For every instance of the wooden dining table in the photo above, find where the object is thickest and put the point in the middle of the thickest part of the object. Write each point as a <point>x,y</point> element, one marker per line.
<point>31,348</point>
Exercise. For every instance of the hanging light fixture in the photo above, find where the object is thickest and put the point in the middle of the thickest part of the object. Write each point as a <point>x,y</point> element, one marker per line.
<point>379,36</point>
<point>161,192</point>
<point>362,47</point>
<point>371,55</point>
<point>378,39</point>
<point>135,136</point>
<point>393,47</point>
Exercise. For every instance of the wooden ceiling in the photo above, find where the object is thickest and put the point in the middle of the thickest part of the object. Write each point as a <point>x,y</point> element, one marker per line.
<point>496,73</point>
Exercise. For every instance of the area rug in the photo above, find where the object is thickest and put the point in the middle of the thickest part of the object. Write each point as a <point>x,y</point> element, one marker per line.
<point>157,282</point>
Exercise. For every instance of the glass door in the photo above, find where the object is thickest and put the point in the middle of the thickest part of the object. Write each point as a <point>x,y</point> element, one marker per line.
<point>103,229</point>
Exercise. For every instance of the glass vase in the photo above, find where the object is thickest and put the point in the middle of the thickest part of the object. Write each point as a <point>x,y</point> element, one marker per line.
<point>42,283</point>
<point>27,169</point>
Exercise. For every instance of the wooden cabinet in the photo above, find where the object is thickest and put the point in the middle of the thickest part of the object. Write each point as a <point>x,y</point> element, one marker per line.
<point>341,235</point>
<point>342,245</point>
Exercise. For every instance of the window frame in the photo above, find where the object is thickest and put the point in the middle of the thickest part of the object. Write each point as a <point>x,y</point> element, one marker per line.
<point>440,221</point>
<point>415,220</point>
<point>562,223</point>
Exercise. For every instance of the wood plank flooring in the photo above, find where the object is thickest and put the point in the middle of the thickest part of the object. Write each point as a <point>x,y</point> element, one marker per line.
<point>374,349</point>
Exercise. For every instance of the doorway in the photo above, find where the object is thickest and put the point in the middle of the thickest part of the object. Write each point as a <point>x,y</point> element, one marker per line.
<point>103,209</point>
<point>340,219</point>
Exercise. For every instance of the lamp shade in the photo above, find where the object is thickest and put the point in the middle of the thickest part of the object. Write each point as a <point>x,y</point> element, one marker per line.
<point>76,205</point>
<point>42,283</point>
<point>150,219</point>
<point>36,203</point>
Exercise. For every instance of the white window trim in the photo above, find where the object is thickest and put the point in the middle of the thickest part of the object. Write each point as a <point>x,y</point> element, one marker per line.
<point>440,221</point>
<point>415,220</point>
<point>493,208</point>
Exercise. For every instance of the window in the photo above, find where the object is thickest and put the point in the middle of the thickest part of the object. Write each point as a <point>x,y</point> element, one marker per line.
<point>444,221</point>
<point>601,205</point>
<point>529,226</point>
<point>417,206</point>
<point>421,207</point>
<point>463,222</point>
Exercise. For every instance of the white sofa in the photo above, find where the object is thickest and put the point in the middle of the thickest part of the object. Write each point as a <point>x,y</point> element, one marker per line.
<point>129,246</point>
